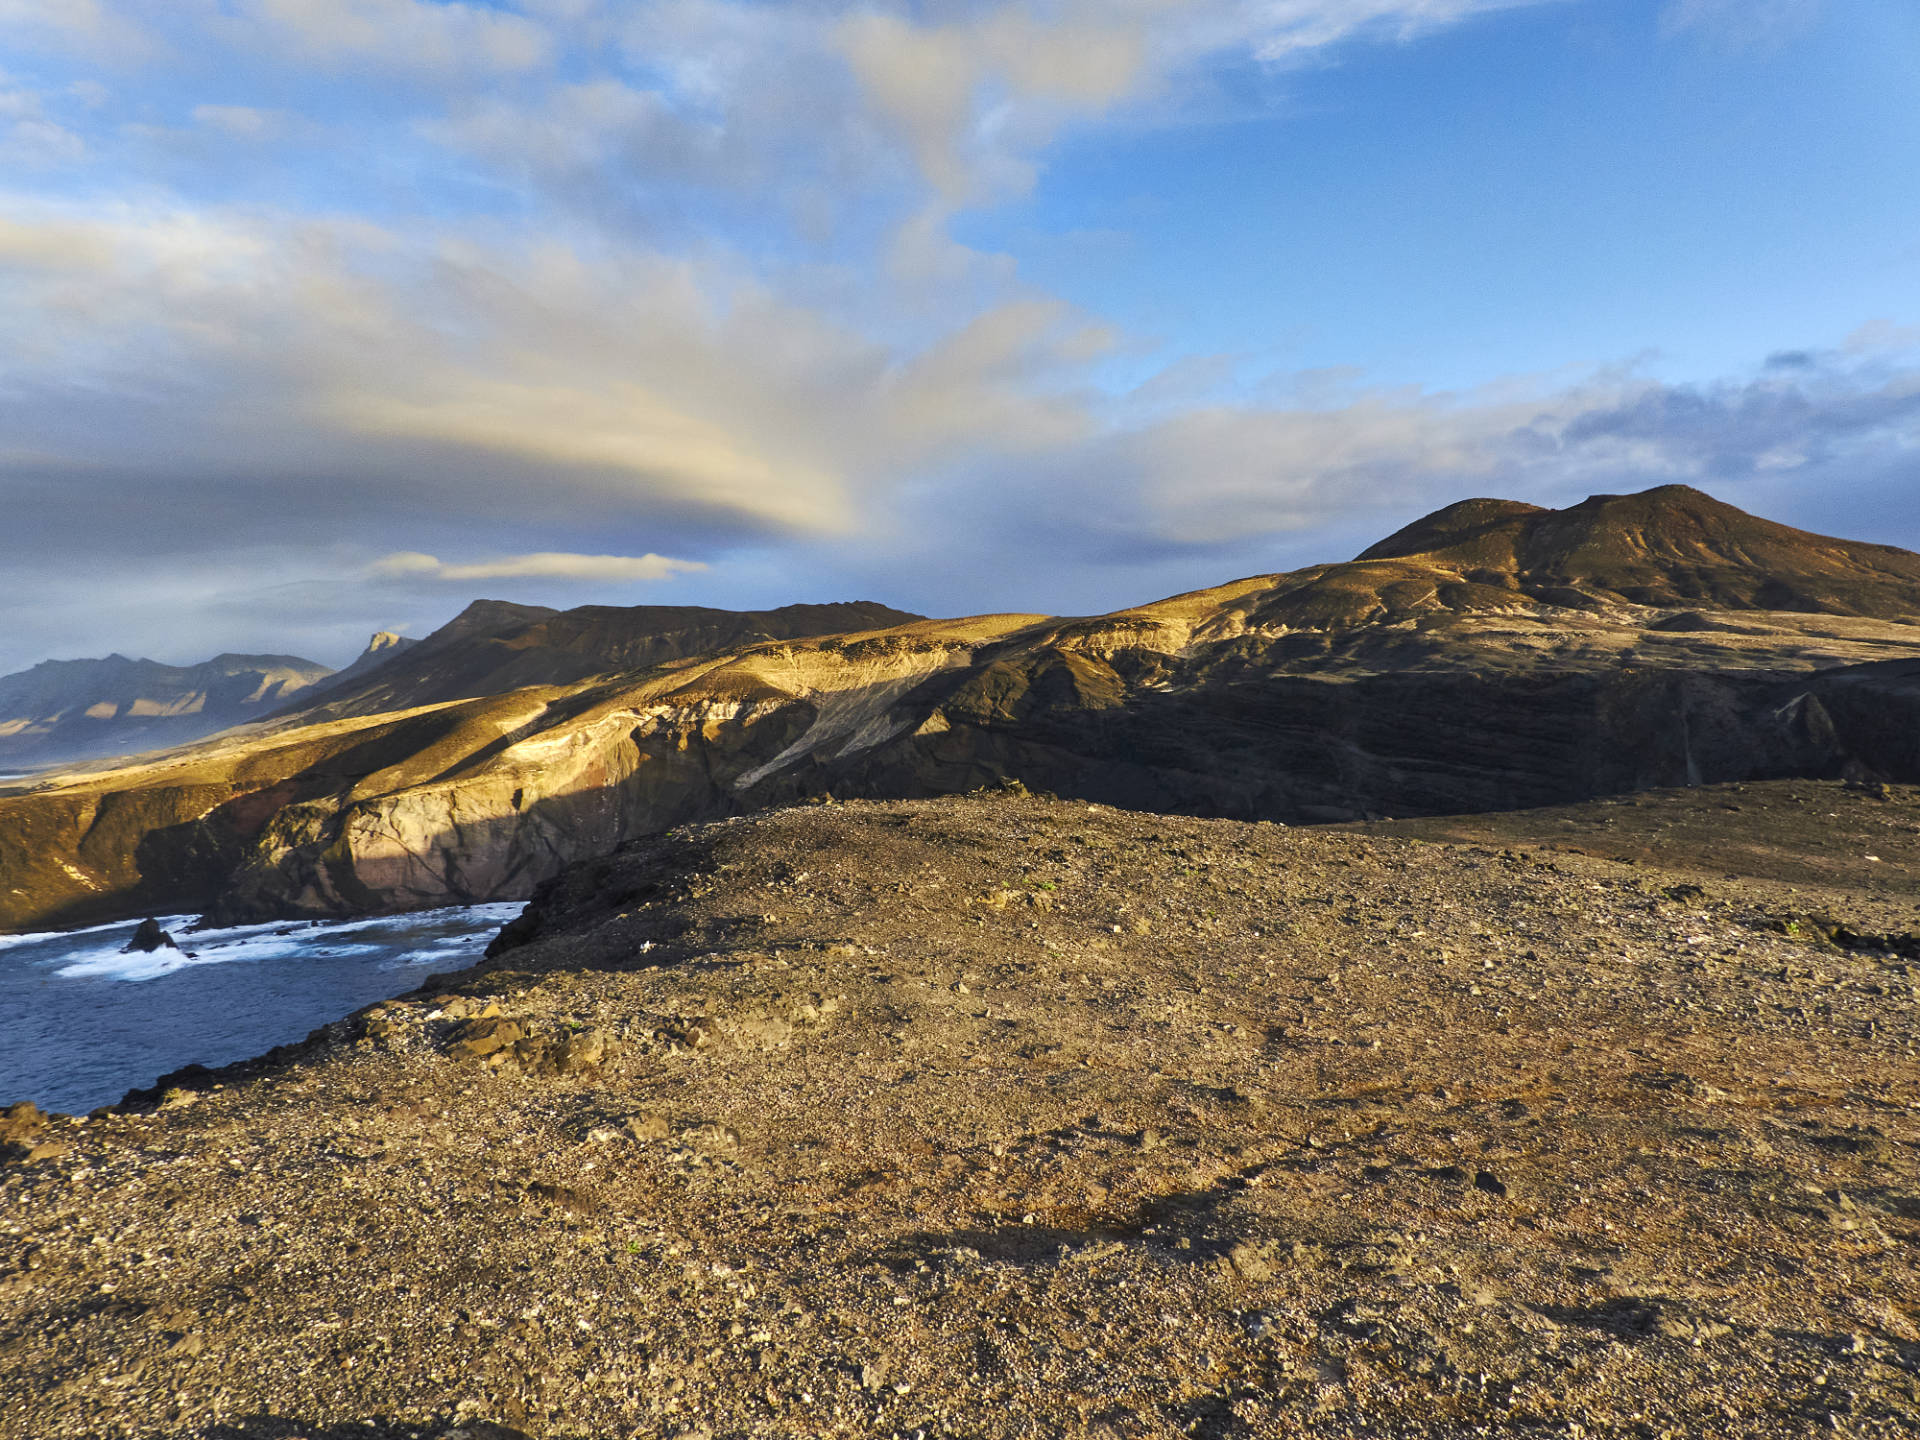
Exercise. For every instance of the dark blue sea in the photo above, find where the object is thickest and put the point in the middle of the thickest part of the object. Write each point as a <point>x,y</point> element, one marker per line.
<point>86,1022</point>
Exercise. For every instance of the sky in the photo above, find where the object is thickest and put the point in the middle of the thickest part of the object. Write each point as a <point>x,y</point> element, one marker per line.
<point>319,317</point>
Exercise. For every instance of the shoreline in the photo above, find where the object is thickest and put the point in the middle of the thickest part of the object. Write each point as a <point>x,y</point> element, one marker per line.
<point>95,1020</point>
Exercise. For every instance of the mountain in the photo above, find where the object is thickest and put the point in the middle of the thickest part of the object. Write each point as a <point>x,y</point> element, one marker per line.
<point>382,646</point>
<point>493,646</point>
<point>1490,657</point>
<point>1671,546</point>
<point>63,711</point>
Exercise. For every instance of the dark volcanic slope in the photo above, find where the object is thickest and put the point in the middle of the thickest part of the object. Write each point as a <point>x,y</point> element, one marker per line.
<point>62,711</point>
<point>999,1117</point>
<point>493,646</point>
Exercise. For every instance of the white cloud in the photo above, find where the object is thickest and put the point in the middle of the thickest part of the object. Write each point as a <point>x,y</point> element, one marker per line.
<point>29,138</point>
<point>614,371</point>
<point>1287,29</point>
<point>1742,24</point>
<point>95,27</point>
<point>821,106</point>
<point>403,34</point>
<point>502,380</point>
<point>240,122</point>
<point>976,99</point>
<point>1882,334</point>
<point>542,565</point>
<point>1217,475</point>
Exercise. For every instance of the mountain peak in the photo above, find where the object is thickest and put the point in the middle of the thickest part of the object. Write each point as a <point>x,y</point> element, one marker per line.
<point>382,640</point>
<point>1449,525</point>
<point>1671,545</point>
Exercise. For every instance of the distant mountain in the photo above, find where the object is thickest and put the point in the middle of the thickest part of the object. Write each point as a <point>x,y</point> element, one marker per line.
<point>1672,546</point>
<point>64,711</point>
<point>383,646</point>
<point>493,646</point>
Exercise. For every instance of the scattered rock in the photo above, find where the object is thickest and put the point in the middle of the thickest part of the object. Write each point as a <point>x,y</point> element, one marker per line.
<point>477,1039</point>
<point>713,1137</point>
<point>1046,1206</point>
<point>561,1197</point>
<point>149,937</point>
<point>21,1122</point>
<point>648,1127</point>
<point>1250,1261</point>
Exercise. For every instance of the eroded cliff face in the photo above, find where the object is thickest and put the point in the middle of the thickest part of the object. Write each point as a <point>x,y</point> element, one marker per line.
<point>1396,685</point>
<point>1193,709</point>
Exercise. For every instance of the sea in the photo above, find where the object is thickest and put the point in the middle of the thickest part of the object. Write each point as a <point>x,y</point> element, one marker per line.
<point>87,1021</point>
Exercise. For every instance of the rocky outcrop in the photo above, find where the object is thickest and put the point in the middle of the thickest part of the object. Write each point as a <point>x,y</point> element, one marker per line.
<point>383,646</point>
<point>149,937</point>
<point>1400,685</point>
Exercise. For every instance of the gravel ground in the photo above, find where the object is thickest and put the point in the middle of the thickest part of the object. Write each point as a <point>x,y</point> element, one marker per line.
<point>1003,1116</point>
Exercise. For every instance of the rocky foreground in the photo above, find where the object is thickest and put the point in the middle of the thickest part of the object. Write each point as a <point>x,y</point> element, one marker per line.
<point>1004,1116</point>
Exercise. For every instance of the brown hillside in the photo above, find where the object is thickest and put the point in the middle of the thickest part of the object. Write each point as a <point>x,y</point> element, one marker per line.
<point>1671,546</point>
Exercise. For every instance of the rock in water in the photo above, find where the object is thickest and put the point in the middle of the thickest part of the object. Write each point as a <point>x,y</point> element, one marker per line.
<point>149,937</point>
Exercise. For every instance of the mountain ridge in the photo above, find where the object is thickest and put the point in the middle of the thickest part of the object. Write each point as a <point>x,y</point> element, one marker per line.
<point>494,646</point>
<point>63,711</point>
<point>1412,684</point>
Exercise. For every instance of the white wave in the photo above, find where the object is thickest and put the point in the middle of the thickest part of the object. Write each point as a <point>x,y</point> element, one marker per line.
<point>38,937</point>
<point>278,940</point>
<point>430,957</point>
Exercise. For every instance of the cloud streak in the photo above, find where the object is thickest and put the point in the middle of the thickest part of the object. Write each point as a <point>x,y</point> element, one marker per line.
<point>542,565</point>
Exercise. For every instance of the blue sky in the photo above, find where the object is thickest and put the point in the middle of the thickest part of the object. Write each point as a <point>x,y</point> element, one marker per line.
<point>329,315</point>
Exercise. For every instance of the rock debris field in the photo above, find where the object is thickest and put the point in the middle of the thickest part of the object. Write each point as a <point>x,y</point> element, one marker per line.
<point>1006,1116</point>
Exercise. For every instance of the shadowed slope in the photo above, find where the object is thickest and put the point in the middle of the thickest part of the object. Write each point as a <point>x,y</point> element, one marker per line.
<point>493,646</point>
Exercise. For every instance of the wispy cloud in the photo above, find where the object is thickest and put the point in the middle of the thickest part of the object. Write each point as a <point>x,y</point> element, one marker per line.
<point>242,122</point>
<point>542,565</point>
<point>32,139</point>
<point>429,376</point>
<point>1742,24</point>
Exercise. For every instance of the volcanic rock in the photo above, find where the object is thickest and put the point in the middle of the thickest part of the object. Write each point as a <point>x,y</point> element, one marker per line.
<point>149,937</point>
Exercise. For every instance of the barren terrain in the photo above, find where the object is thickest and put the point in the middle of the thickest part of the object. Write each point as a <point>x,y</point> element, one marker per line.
<point>1001,1116</point>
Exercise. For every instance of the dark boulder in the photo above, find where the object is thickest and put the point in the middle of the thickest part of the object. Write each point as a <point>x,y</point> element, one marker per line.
<point>148,938</point>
